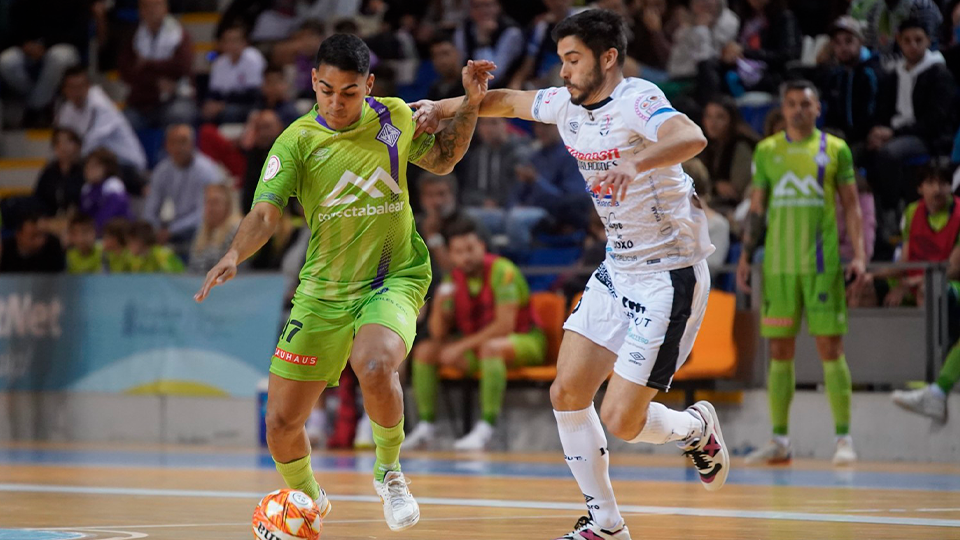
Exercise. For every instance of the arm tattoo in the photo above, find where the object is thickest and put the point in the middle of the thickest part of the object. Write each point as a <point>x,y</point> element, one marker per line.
<point>756,229</point>
<point>452,142</point>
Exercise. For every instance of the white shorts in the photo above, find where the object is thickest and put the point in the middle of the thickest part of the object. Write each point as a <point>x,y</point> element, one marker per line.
<point>648,320</point>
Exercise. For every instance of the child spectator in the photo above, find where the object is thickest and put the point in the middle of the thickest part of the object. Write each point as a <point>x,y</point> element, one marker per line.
<point>114,245</point>
<point>145,256</point>
<point>103,196</point>
<point>84,256</point>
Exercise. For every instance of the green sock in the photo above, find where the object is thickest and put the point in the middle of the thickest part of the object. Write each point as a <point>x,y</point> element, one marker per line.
<point>950,372</point>
<point>493,384</point>
<point>298,474</point>
<point>836,375</point>
<point>388,441</point>
<point>781,382</point>
<point>425,389</point>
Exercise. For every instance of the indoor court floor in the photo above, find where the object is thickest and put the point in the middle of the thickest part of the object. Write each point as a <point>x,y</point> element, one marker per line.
<point>60,492</point>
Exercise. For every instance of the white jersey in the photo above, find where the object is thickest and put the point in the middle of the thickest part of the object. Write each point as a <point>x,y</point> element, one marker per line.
<point>659,226</point>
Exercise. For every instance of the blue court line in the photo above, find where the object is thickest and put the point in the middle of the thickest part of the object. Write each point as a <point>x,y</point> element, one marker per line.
<point>789,477</point>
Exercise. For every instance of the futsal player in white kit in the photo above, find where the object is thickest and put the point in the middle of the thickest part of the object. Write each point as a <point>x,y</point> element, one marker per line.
<point>642,308</point>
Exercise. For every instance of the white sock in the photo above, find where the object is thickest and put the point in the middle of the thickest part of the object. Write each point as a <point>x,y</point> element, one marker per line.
<point>666,425</point>
<point>585,449</point>
<point>782,440</point>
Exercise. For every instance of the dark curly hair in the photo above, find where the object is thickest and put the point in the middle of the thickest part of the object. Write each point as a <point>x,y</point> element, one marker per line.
<point>599,29</point>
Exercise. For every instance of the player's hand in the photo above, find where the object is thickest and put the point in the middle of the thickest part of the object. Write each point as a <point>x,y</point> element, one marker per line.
<point>476,79</point>
<point>856,272</point>
<point>452,356</point>
<point>615,181</point>
<point>895,297</point>
<point>427,115</point>
<point>743,275</point>
<point>224,271</point>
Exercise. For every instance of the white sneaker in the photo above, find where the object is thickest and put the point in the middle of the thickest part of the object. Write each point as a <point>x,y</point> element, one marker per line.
<point>773,453</point>
<point>709,452</point>
<point>363,440</point>
<point>400,509</point>
<point>478,438</point>
<point>323,503</point>
<point>845,455</point>
<point>586,529</point>
<point>421,437</point>
<point>922,401</point>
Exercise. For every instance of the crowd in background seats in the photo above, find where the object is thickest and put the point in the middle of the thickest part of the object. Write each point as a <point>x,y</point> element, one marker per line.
<point>149,132</point>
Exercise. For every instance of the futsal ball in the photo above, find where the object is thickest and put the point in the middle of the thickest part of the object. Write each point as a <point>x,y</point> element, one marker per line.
<point>287,514</point>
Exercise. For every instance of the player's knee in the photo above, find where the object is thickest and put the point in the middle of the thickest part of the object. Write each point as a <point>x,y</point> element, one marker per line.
<point>373,372</point>
<point>559,397</point>
<point>493,349</point>
<point>282,423</point>
<point>564,396</point>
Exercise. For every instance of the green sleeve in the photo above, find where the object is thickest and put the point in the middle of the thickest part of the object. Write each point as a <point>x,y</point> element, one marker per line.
<point>845,172</point>
<point>280,174</point>
<point>505,282</point>
<point>420,146</point>
<point>760,180</point>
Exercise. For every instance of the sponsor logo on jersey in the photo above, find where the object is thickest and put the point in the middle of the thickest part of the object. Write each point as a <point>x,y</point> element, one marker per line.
<point>792,190</point>
<point>368,185</point>
<point>389,135</point>
<point>637,358</point>
<point>602,155</point>
<point>574,126</point>
<point>297,359</point>
<point>596,165</point>
<point>273,167</point>
<point>646,106</point>
<point>605,125</point>
<point>634,306</point>
<point>361,211</point>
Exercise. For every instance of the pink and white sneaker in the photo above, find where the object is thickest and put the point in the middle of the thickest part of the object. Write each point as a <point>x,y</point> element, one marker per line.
<point>586,529</point>
<point>709,452</point>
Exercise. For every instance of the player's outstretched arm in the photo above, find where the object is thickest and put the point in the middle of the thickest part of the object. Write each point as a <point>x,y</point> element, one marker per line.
<point>255,230</point>
<point>452,142</point>
<point>503,103</point>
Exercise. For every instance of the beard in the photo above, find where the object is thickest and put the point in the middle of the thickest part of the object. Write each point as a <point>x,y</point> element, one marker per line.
<point>590,86</point>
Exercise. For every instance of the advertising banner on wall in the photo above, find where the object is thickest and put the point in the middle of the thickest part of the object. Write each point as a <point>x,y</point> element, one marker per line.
<point>139,334</point>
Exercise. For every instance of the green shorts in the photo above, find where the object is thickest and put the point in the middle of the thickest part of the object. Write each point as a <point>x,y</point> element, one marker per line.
<point>315,343</point>
<point>529,349</point>
<point>786,296</point>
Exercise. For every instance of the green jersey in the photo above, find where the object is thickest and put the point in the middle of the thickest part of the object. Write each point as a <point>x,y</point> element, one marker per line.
<point>78,263</point>
<point>353,187</point>
<point>801,180</point>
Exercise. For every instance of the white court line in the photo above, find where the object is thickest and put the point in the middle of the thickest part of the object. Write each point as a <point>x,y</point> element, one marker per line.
<point>130,535</point>
<point>497,503</point>
<point>242,523</point>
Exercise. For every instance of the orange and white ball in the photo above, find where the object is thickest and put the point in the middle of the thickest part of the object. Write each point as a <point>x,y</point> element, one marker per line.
<point>287,514</point>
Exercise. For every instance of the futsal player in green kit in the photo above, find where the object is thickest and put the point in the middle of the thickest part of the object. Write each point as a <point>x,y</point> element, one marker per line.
<point>366,270</point>
<point>797,176</point>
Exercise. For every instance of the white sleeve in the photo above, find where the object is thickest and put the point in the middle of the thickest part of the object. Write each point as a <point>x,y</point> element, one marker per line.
<point>549,105</point>
<point>645,111</point>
